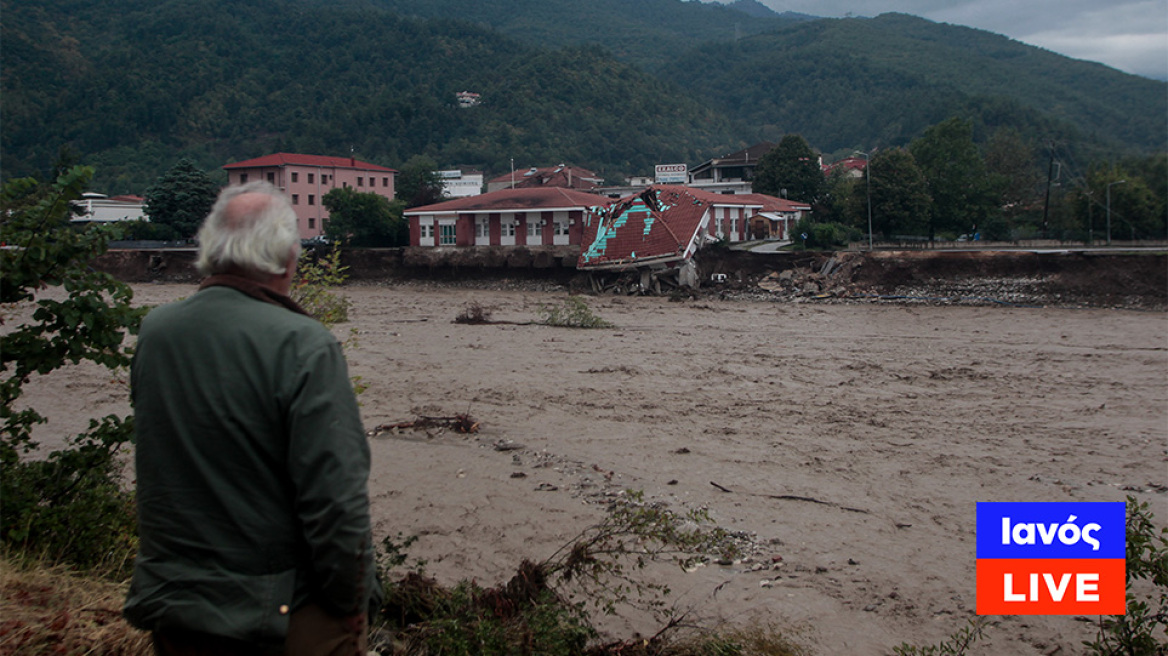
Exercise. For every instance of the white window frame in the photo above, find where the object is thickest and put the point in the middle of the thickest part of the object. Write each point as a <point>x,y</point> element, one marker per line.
<point>426,231</point>
<point>561,232</point>
<point>507,232</point>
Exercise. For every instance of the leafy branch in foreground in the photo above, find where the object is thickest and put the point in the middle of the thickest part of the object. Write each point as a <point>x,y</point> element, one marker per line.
<point>68,506</point>
<point>1144,627</point>
<point>535,612</point>
<point>601,562</point>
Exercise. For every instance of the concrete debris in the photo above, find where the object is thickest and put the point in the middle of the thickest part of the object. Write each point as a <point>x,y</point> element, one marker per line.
<point>832,279</point>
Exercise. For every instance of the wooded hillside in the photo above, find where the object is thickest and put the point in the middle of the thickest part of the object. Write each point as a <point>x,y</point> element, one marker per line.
<point>615,86</point>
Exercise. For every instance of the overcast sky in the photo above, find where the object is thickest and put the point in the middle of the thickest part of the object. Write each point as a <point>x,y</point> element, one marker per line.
<point>1131,35</point>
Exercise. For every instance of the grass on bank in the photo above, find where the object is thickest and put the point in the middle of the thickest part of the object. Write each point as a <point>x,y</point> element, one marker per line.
<point>47,609</point>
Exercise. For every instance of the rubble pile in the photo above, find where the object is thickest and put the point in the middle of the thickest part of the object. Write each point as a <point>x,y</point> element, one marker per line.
<point>834,278</point>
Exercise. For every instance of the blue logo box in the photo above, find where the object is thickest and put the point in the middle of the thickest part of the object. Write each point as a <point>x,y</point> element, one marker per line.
<point>1051,530</point>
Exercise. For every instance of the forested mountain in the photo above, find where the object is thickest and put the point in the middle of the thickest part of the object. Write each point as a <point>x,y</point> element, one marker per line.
<point>864,83</point>
<point>611,85</point>
<point>647,33</point>
<point>131,84</point>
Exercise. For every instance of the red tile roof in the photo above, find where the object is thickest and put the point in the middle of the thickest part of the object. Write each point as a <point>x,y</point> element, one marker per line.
<point>516,200</point>
<point>761,201</point>
<point>293,159</point>
<point>657,225</point>
<point>773,204</point>
<point>848,163</point>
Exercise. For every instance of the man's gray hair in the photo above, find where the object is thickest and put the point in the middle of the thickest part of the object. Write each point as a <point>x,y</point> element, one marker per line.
<point>254,237</point>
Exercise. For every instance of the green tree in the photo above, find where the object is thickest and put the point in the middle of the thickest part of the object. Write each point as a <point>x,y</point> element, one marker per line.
<point>794,166</point>
<point>900,196</point>
<point>840,202</point>
<point>956,175</point>
<point>181,198</point>
<point>418,183</point>
<point>1134,205</point>
<point>1014,176</point>
<point>363,219</point>
<point>68,506</point>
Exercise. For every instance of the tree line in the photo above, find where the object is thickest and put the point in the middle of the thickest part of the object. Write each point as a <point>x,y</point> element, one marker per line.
<point>944,185</point>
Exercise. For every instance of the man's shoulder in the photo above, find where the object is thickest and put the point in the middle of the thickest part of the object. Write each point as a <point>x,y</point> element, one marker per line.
<point>229,309</point>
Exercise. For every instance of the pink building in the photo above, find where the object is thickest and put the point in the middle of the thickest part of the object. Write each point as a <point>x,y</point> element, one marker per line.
<point>544,216</point>
<point>307,178</point>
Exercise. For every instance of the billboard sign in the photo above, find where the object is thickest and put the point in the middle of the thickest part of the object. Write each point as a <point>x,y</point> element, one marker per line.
<point>671,173</point>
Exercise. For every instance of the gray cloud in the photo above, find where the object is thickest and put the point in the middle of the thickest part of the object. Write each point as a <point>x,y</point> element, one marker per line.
<point>1130,35</point>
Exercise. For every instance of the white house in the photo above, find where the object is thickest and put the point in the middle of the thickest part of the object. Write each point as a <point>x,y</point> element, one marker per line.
<point>99,208</point>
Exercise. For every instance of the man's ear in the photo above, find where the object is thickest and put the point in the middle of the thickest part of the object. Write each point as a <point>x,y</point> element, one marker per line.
<point>285,281</point>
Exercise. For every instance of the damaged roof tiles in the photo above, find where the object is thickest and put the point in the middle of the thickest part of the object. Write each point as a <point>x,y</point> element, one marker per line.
<point>659,226</point>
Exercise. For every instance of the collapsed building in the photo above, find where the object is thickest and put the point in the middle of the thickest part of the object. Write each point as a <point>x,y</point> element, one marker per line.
<point>645,243</point>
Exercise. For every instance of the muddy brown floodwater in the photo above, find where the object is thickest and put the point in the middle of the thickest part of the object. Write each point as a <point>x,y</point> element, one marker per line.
<point>853,439</point>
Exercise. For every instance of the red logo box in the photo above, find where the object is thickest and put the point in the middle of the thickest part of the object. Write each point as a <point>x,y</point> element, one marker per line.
<point>1050,586</point>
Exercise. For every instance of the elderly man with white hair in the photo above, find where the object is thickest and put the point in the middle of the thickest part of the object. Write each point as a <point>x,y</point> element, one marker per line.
<point>251,459</point>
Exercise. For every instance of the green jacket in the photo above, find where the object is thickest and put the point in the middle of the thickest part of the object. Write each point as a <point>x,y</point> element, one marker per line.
<point>252,468</point>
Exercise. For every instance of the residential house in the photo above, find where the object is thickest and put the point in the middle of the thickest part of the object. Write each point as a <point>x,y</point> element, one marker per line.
<point>307,178</point>
<point>537,216</point>
<point>468,99</point>
<point>729,174</point>
<point>852,167</point>
<point>567,177</point>
<point>99,208</point>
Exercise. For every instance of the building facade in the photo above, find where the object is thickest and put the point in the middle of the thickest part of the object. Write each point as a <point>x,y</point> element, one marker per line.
<point>552,216</point>
<point>459,183</point>
<point>729,174</point>
<point>307,178</point>
<point>99,208</point>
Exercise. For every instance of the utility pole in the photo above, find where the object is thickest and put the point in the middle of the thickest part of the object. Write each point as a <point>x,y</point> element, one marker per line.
<point>1109,209</point>
<point>1046,203</point>
<point>868,190</point>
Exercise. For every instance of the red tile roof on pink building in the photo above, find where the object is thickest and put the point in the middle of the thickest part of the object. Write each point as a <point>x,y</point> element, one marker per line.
<point>294,159</point>
<point>516,200</point>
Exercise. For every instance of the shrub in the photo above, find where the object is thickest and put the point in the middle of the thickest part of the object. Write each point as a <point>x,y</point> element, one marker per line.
<point>827,236</point>
<point>316,276</point>
<point>474,313</point>
<point>572,313</point>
